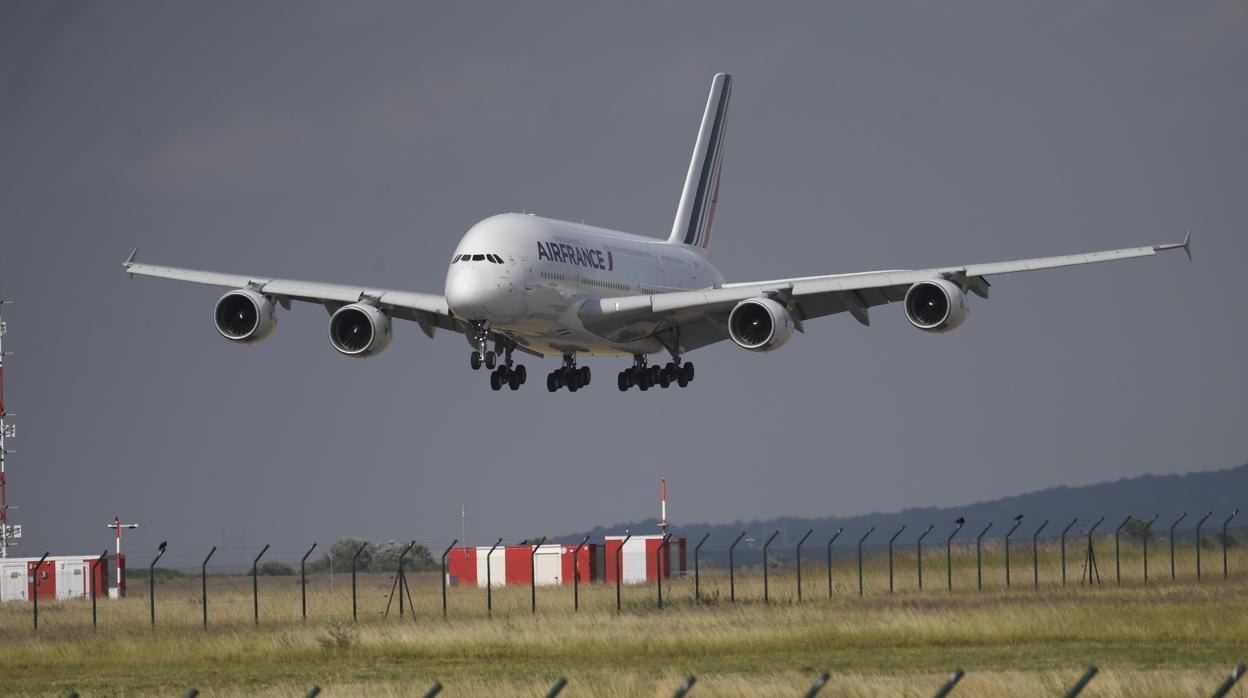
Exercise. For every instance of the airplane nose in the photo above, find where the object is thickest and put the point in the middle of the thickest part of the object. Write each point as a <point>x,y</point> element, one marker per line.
<point>467,294</point>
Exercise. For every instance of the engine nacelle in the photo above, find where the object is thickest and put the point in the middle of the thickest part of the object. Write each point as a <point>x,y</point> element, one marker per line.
<point>936,306</point>
<point>244,316</point>
<point>760,324</point>
<point>359,330</point>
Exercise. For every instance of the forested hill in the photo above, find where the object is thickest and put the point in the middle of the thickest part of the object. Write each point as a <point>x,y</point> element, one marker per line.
<point>1219,491</point>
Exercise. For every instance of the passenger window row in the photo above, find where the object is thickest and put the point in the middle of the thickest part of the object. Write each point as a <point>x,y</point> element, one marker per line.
<point>492,258</point>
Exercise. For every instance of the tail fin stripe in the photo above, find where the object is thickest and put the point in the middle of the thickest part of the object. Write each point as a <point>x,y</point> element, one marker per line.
<point>710,164</point>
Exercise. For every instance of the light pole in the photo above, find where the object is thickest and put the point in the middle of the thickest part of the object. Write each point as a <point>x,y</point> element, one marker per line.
<point>918,549</point>
<point>117,525</point>
<point>799,562</point>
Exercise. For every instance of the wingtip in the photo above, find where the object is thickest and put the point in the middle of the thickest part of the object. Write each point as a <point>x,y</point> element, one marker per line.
<point>1187,244</point>
<point>130,260</point>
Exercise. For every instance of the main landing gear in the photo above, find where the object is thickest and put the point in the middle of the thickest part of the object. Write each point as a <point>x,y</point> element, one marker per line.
<point>644,376</point>
<point>507,373</point>
<point>569,376</point>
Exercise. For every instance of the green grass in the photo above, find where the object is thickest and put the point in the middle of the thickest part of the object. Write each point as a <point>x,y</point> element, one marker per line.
<point>1170,638</point>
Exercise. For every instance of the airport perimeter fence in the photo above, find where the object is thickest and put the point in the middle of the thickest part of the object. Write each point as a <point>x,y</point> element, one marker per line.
<point>821,680</point>
<point>962,557</point>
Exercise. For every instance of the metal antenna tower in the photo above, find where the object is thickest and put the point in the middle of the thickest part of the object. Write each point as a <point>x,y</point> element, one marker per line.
<point>8,533</point>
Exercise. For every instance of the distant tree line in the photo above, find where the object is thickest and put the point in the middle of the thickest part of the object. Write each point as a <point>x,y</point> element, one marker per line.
<point>376,557</point>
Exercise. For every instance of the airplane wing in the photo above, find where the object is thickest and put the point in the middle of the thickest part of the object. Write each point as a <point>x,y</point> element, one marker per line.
<point>700,317</point>
<point>426,309</point>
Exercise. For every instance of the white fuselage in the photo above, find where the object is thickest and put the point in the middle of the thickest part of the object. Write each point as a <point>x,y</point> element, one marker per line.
<point>549,267</point>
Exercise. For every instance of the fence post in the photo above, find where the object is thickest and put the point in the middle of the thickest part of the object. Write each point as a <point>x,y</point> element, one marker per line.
<point>954,678</point>
<point>697,592</point>
<point>400,580</point>
<point>799,563</point>
<point>766,596</point>
<point>830,542</point>
<point>732,571</point>
<point>151,579</point>
<point>1230,681</point>
<point>1035,555</point>
<point>1225,569</point>
<point>489,583</point>
<point>303,583</point>
<point>1090,555</point>
<point>979,571</point>
<point>576,575</point>
<point>658,564</point>
<point>203,582</point>
<point>1147,534</point>
<point>255,585</point>
<point>1018,521</point>
<point>444,554</point>
<point>890,557</point>
<point>1064,530</point>
<point>860,542</point>
<point>1117,554</point>
<point>1198,525</point>
<point>354,617</point>
<point>919,553</point>
<point>1081,683</point>
<point>95,574</point>
<point>949,552</point>
<point>38,571</point>
<point>533,573</point>
<point>619,569</point>
<point>1176,523</point>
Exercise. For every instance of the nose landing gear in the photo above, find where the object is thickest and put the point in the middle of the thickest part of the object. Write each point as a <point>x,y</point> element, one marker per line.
<point>644,376</point>
<point>508,373</point>
<point>569,376</point>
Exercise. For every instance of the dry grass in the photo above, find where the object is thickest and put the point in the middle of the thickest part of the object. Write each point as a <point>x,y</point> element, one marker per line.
<point>1171,638</point>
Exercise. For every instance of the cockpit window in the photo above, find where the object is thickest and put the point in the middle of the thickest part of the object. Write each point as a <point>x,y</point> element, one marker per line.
<point>494,258</point>
<point>478,257</point>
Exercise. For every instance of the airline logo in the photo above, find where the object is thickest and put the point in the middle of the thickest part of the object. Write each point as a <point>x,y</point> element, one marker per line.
<point>580,256</point>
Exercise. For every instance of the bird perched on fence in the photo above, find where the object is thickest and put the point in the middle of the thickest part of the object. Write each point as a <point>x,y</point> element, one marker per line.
<point>960,520</point>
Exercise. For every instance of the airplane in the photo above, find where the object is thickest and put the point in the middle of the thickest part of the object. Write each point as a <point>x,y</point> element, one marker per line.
<point>546,287</point>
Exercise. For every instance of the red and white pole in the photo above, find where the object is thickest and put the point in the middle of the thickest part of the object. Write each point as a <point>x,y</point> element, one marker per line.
<point>663,506</point>
<point>117,525</point>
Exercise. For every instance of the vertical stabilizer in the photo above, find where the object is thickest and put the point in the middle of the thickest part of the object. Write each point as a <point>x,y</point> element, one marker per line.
<point>696,211</point>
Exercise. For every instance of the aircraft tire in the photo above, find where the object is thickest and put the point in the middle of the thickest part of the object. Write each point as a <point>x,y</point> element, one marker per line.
<point>664,379</point>
<point>475,360</point>
<point>491,360</point>
<point>523,373</point>
<point>622,381</point>
<point>552,382</point>
<point>585,375</point>
<point>687,370</point>
<point>496,380</point>
<point>513,381</point>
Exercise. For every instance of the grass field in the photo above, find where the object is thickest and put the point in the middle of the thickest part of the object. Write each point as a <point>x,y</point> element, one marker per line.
<point>1170,638</point>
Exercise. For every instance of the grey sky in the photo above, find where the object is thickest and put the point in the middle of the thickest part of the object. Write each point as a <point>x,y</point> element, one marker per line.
<point>356,143</point>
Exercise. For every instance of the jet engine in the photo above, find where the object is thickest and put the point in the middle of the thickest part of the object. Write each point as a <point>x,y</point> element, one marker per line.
<point>359,330</point>
<point>244,316</point>
<point>936,306</point>
<point>760,324</point>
